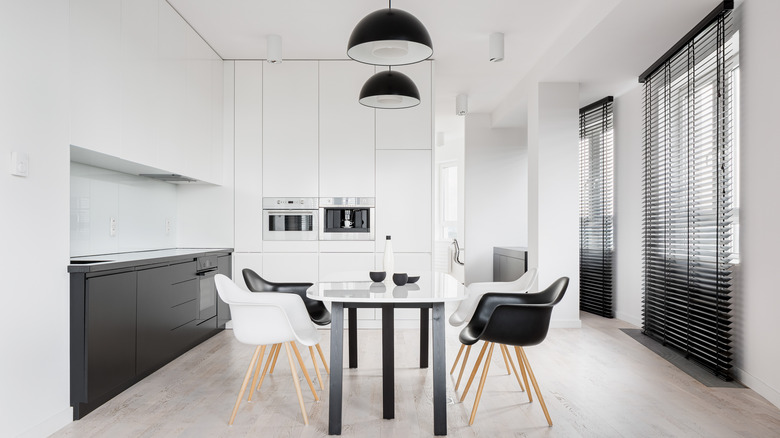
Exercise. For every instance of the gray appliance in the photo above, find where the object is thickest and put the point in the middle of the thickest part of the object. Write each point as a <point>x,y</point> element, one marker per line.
<point>347,218</point>
<point>290,219</point>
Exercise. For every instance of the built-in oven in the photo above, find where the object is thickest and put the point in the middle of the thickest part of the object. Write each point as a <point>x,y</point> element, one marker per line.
<point>205,270</point>
<point>290,219</point>
<point>346,218</point>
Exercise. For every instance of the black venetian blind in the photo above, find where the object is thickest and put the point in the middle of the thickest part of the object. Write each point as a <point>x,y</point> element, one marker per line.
<point>596,208</point>
<point>687,214</point>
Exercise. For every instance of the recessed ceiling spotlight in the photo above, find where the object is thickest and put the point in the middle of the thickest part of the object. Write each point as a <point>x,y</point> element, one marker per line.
<point>273,49</point>
<point>496,47</point>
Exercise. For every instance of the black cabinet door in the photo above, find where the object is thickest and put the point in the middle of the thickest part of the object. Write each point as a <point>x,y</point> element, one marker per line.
<point>111,331</point>
<point>224,267</point>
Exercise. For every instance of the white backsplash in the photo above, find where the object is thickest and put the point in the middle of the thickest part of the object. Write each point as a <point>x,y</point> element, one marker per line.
<point>140,206</point>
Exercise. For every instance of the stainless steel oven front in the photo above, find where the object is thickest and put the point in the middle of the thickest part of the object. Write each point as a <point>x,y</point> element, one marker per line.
<point>290,219</point>
<point>346,218</point>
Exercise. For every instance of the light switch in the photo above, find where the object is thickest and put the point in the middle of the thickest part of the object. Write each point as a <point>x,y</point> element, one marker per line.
<point>112,227</point>
<point>19,163</point>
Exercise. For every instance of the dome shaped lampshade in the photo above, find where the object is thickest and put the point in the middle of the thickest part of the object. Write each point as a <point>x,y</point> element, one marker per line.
<point>390,37</point>
<point>390,90</point>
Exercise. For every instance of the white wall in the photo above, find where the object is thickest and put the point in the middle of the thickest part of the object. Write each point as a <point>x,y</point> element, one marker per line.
<point>496,193</point>
<point>34,115</point>
<point>139,205</point>
<point>628,206</point>
<point>553,192</point>
<point>757,301</point>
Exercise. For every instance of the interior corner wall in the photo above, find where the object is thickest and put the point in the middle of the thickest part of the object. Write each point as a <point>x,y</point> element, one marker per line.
<point>496,193</point>
<point>757,299</point>
<point>553,172</point>
<point>628,205</point>
<point>34,113</point>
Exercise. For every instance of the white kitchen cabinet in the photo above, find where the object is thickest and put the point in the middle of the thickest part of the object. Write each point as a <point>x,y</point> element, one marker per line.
<point>241,260</point>
<point>404,200</point>
<point>171,88</point>
<point>197,131</point>
<point>346,131</point>
<point>409,128</point>
<point>290,267</point>
<point>248,140</point>
<point>139,31</point>
<point>96,75</point>
<point>290,129</point>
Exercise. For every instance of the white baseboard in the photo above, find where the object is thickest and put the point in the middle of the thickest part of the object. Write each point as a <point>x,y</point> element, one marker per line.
<point>633,320</point>
<point>758,385</point>
<point>566,323</point>
<point>50,425</point>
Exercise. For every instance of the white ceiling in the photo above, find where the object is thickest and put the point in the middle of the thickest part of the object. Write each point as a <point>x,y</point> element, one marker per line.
<point>604,44</point>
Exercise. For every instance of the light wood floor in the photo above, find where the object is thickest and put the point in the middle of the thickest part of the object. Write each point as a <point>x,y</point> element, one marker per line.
<point>597,382</point>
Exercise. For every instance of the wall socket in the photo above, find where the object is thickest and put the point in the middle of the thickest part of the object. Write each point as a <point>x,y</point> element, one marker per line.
<point>112,227</point>
<point>168,225</point>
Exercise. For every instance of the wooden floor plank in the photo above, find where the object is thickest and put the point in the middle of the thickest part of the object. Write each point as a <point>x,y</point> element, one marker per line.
<point>597,382</point>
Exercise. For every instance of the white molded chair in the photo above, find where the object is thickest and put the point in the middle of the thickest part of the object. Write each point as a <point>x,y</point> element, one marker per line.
<point>466,308</point>
<point>267,319</point>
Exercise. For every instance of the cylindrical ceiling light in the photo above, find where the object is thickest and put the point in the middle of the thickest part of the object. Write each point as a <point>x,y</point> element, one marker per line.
<point>496,47</point>
<point>273,49</point>
<point>461,104</point>
<point>389,90</point>
<point>390,37</point>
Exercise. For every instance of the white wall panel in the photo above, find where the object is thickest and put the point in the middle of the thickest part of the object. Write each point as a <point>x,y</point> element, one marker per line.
<point>249,155</point>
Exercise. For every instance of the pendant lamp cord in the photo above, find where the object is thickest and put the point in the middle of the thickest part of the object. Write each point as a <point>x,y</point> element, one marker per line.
<point>389,4</point>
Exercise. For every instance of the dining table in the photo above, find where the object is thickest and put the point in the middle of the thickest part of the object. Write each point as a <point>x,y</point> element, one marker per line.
<point>431,291</point>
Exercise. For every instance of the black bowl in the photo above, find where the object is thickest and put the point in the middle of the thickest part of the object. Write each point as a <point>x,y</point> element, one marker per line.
<point>413,279</point>
<point>400,278</point>
<point>377,276</point>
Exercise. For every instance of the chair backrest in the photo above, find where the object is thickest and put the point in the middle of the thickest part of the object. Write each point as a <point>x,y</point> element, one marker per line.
<point>522,320</point>
<point>256,283</point>
<point>475,291</point>
<point>267,318</point>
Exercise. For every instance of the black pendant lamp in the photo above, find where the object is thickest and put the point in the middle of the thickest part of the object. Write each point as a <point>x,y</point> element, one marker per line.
<point>389,90</point>
<point>390,37</point>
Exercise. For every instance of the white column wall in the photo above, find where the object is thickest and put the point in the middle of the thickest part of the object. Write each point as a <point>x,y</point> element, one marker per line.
<point>496,193</point>
<point>757,298</point>
<point>34,113</point>
<point>628,206</point>
<point>553,184</point>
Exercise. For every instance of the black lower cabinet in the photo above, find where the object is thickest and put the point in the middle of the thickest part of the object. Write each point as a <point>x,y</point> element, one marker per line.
<point>224,267</point>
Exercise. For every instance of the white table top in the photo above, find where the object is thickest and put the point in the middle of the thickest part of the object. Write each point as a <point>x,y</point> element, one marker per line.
<point>432,287</point>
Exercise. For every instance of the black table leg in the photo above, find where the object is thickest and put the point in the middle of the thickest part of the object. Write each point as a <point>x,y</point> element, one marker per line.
<point>388,367</point>
<point>424,337</point>
<point>439,372</point>
<point>353,349</point>
<point>336,367</point>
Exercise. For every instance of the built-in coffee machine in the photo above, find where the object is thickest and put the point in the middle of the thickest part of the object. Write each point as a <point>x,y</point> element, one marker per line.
<point>346,218</point>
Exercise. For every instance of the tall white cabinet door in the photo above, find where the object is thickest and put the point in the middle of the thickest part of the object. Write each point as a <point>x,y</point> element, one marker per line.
<point>96,75</point>
<point>170,111</point>
<point>410,128</point>
<point>404,200</point>
<point>197,133</point>
<point>241,260</point>
<point>290,267</point>
<point>346,131</point>
<point>290,133</point>
<point>248,142</point>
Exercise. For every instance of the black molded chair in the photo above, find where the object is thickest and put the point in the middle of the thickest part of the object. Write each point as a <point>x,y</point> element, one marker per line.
<point>317,311</point>
<point>521,320</point>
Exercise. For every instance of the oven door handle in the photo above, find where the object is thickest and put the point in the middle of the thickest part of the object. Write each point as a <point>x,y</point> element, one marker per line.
<point>209,272</point>
<point>292,212</point>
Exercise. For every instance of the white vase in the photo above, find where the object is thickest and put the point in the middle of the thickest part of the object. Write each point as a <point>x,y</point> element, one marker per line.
<point>389,261</point>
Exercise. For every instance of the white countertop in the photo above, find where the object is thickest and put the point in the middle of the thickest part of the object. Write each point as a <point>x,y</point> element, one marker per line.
<point>432,287</point>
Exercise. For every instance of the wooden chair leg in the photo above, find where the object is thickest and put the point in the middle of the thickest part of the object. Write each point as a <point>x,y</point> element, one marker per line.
<point>536,386</point>
<point>243,385</point>
<point>303,368</point>
<point>274,349</point>
<point>481,384</point>
<point>316,368</point>
<point>276,355</point>
<point>462,346</point>
<point>322,356</point>
<point>297,384</point>
<point>522,370</point>
<point>506,362</point>
<point>517,376</point>
<point>474,372</point>
<point>257,371</point>
<point>463,366</point>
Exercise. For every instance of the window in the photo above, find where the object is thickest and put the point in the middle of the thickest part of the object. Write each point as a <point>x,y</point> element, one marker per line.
<point>448,201</point>
<point>596,208</point>
<point>690,127</point>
